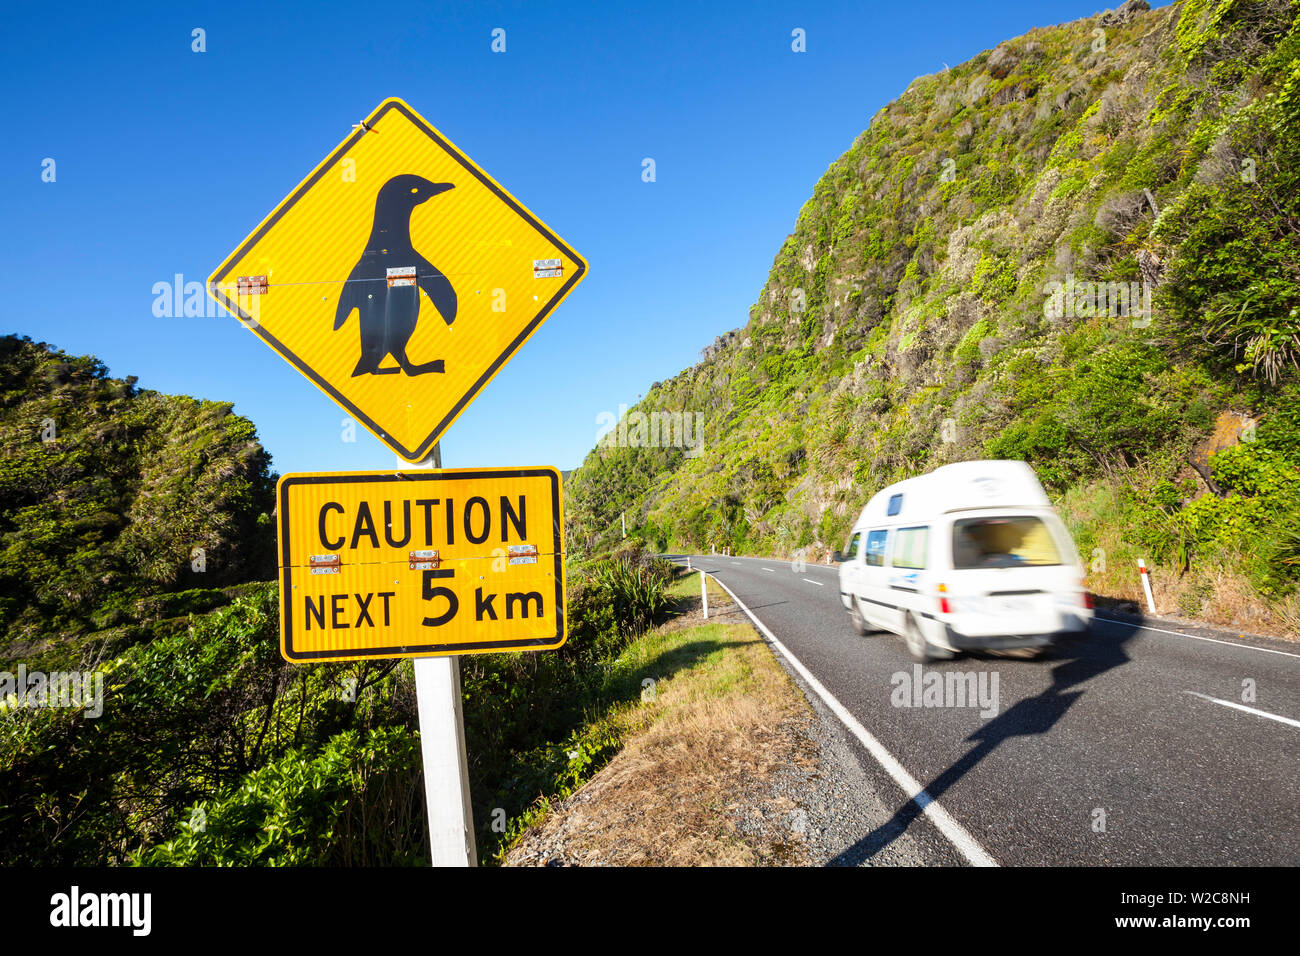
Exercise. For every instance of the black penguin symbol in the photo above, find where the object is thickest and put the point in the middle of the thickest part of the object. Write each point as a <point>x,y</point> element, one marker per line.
<point>389,314</point>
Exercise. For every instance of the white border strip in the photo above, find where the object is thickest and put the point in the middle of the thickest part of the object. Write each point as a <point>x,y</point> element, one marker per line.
<point>1249,710</point>
<point>966,844</point>
<point>1195,637</point>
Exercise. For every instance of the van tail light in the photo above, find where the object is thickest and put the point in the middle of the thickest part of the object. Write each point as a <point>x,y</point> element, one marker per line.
<point>944,606</point>
<point>1087,600</point>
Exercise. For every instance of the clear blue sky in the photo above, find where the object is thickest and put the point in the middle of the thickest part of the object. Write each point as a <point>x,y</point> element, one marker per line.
<point>167,158</point>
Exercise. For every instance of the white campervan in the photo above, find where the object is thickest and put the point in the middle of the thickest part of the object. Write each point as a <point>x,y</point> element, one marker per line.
<point>970,556</point>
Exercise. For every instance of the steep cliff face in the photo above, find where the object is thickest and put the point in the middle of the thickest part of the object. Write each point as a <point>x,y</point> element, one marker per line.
<point>1079,248</point>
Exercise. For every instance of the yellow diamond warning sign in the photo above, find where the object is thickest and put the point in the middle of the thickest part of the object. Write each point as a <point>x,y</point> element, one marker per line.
<point>399,277</point>
<point>420,563</point>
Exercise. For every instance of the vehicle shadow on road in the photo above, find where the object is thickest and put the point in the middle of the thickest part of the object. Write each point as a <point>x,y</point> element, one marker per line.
<point>1077,661</point>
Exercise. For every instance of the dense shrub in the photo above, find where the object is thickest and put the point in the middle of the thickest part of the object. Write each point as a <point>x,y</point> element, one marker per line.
<point>189,719</point>
<point>637,593</point>
<point>357,801</point>
<point>1106,405</point>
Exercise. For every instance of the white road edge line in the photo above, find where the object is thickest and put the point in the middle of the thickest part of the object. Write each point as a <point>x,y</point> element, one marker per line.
<point>818,583</point>
<point>1249,710</point>
<point>1197,637</point>
<point>966,844</point>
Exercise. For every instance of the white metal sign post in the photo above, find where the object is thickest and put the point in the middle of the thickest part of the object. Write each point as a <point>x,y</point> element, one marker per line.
<point>446,774</point>
<point>442,748</point>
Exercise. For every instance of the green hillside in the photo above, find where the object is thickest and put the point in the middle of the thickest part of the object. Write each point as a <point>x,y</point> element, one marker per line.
<point>119,507</point>
<point>911,319</point>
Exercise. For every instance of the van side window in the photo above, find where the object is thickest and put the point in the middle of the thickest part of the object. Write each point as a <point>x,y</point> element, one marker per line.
<point>875,554</point>
<point>895,504</point>
<point>851,549</point>
<point>909,547</point>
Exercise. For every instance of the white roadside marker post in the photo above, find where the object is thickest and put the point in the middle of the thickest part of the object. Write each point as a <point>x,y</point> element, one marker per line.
<point>442,748</point>
<point>1146,584</point>
<point>704,594</point>
<point>622,517</point>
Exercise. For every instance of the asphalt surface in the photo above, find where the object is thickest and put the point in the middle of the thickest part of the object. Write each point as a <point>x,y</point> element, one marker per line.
<point>1112,750</point>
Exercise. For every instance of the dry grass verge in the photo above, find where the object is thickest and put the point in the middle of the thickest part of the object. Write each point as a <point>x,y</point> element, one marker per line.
<point>692,784</point>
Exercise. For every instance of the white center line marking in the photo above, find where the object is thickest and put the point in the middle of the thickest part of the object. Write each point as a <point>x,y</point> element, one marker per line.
<point>1197,637</point>
<point>769,569</point>
<point>818,583</point>
<point>1249,710</point>
<point>966,844</point>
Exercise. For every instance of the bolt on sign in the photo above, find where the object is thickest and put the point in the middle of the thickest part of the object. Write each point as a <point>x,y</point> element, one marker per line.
<point>399,277</point>
<point>421,563</point>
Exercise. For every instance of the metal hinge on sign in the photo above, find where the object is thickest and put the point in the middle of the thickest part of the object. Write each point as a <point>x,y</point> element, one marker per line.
<point>401,275</point>
<point>547,268</point>
<point>324,563</point>
<point>523,554</point>
<point>251,285</point>
<point>423,560</point>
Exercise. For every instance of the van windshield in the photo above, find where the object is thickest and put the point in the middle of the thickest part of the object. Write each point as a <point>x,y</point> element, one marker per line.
<point>1013,541</point>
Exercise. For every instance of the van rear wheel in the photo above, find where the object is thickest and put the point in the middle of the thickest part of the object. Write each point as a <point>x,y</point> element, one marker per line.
<point>855,613</point>
<point>917,645</point>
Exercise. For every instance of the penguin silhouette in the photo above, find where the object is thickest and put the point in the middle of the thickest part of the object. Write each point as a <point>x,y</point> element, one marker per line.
<point>389,314</point>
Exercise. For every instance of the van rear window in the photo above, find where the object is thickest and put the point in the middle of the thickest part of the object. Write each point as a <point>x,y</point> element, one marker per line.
<point>1013,541</point>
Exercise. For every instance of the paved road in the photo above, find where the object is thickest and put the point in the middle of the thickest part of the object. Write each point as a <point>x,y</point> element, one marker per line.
<point>1134,723</point>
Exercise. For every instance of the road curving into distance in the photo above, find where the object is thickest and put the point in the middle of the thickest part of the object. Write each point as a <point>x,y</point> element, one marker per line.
<point>1130,746</point>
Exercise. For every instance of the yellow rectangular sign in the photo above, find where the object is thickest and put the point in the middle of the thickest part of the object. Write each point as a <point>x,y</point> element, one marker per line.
<point>421,563</point>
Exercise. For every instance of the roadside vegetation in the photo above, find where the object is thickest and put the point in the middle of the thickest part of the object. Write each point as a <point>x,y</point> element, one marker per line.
<point>212,750</point>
